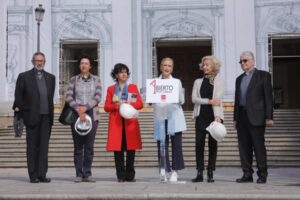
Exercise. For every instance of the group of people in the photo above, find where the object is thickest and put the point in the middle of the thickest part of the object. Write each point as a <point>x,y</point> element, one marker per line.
<point>253,110</point>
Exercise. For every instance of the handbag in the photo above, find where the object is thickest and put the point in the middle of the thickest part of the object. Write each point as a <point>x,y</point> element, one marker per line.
<point>67,115</point>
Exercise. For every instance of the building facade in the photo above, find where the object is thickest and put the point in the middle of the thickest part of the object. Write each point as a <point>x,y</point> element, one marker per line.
<point>141,32</point>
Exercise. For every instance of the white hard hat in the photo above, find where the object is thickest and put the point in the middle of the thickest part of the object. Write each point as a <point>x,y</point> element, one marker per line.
<point>217,130</point>
<point>83,127</point>
<point>127,111</point>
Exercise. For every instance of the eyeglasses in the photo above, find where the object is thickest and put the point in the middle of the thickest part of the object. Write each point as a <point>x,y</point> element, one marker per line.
<point>243,61</point>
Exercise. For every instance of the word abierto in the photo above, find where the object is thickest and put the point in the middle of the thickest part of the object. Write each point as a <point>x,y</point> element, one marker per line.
<point>161,88</point>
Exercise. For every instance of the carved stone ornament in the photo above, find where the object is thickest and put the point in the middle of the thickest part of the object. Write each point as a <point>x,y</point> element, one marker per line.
<point>179,28</point>
<point>288,23</point>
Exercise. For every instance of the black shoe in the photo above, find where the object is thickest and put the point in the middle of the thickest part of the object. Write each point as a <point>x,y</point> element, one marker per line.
<point>120,180</point>
<point>45,180</point>
<point>245,179</point>
<point>130,180</point>
<point>261,180</point>
<point>210,176</point>
<point>198,178</point>
<point>34,180</point>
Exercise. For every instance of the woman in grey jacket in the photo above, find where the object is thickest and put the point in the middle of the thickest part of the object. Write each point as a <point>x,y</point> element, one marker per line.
<point>206,96</point>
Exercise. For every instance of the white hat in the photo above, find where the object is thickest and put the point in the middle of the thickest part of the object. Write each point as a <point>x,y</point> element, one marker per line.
<point>217,130</point>
<point>128,111</point>
<point>83,127</point>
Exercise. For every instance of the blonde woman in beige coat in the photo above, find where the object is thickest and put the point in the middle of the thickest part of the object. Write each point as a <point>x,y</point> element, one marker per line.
<point>206,96</point>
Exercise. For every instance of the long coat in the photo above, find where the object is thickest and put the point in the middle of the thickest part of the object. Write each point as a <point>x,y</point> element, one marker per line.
<point>132,128</point>
<point>27,97</point>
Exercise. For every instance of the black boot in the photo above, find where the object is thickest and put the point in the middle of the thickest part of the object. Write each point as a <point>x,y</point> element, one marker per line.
<point>199,177</point>
<point>210,176</point>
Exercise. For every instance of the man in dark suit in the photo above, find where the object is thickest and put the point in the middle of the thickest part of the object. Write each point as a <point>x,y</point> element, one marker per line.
<point>253,111</point>
<point>34,102</point>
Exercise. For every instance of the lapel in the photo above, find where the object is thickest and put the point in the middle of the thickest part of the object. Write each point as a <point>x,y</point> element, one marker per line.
<point>33,78</point>
<point>47,80</point>
<point>252,81</point>
<point>238,85</point>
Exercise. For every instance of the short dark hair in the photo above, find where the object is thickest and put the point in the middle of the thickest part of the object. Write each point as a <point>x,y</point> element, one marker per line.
<point>86,57</point>
<point>118,68</point>
<point>38,53</point>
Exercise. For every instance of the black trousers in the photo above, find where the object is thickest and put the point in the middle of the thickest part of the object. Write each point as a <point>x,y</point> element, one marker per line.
<point>84,151</point>
<point>200,147</point>
<point>251,138</point>
<point>177,155</point>
<point>37,139</point>
<point>128,172</point>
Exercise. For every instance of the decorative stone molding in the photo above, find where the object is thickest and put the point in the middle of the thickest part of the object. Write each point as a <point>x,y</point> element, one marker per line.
<point>85,26</point>
<point>184,25</point>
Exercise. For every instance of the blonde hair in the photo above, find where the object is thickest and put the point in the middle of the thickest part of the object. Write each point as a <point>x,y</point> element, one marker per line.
<point>167,59</point>
<point>216,63</point>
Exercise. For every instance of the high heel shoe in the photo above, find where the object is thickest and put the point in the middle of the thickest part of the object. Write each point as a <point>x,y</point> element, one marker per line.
<point>210,176</point>
<point>198,178</point>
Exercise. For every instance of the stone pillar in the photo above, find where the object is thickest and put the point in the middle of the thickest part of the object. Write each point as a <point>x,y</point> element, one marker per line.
<point>239,37</point>
<point>122,32</point>
<point>3,49</point>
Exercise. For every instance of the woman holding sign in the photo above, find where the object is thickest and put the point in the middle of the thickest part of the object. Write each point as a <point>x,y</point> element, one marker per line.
<point>169,122</point>
<point>207,95</point>
<point>122,102</point>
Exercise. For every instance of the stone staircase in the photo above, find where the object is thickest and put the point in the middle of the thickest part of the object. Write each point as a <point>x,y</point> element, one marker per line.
<point>282,141</point>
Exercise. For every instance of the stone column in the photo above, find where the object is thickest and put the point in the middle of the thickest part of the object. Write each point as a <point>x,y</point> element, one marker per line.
<point>239,37</point>
<point>3,49</point>
<point>122,32</point>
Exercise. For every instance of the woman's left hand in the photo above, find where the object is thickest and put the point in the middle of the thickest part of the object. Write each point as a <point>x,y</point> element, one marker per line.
<point>218,119</point>
<point>82,109</point>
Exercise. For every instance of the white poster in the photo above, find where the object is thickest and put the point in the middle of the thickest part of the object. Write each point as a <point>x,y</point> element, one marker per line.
<point>162,91</point>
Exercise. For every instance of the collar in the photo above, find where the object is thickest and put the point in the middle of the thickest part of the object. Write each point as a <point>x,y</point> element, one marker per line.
<point>160,77</point>
<point>251,71</point>
<point>85,78</point>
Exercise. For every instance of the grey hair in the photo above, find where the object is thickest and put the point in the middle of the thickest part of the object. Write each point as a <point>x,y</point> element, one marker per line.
<point>249,54</point>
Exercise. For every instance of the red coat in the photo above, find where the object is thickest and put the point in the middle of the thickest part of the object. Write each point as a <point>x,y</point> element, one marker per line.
<point>132,128</point>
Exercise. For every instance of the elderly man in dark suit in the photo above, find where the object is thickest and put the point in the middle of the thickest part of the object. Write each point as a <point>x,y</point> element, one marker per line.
<point>253,111</point>
<point>34,102</point>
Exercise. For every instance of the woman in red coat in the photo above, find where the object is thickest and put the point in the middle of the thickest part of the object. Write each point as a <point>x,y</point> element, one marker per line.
<point>123,134</point>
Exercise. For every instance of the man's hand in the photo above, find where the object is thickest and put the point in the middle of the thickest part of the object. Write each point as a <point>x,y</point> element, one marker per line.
<point>269,122</point>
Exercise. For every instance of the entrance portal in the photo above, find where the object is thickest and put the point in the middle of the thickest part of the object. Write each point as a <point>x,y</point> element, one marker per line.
<point>187,54</point>
<point>285,60</point>
<point>70,52</point>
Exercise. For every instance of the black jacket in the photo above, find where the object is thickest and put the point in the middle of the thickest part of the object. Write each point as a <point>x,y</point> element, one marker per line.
<point>27,97</point>
<point>259,103</point>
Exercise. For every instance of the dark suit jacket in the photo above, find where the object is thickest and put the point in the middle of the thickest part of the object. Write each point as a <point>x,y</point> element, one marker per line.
<point>27,97</point>
<point>259,103</point>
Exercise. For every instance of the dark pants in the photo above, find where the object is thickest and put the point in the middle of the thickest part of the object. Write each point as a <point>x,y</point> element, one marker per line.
<point>37,139</point>
<point>128,172</point>
<point>177,155</point>
<point>251,138</point>
<point>200,146</point>
<point>84,151</point>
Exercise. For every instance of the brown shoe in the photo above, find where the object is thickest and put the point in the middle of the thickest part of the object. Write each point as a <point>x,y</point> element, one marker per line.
<point>89,179</point>
<point>78,179</point>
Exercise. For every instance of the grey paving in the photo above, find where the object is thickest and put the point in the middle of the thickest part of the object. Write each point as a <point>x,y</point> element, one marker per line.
<point>283,183</point>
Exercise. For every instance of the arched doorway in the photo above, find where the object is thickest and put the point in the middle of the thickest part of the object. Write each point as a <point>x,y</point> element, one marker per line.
<point>187,54</point>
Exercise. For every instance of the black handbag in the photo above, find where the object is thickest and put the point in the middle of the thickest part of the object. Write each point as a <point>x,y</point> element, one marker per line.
<point>67,115</point>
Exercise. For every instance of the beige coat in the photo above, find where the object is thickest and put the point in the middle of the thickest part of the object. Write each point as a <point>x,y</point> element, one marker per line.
<point>217,94</point>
